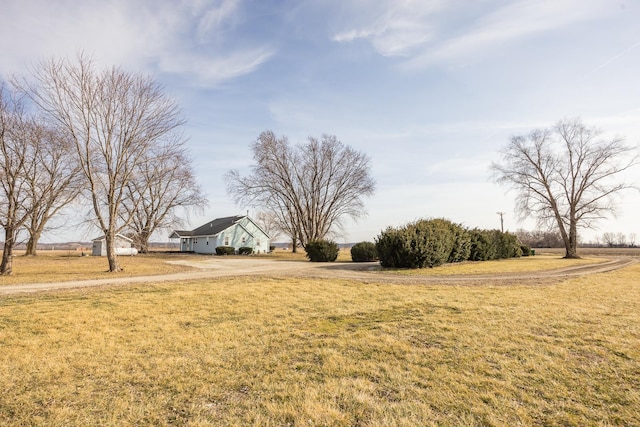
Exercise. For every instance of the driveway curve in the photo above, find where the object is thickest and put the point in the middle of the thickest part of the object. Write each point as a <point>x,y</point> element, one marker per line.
<point>364,272</point>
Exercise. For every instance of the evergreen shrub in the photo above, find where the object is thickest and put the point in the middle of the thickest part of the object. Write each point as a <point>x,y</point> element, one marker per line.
<point>245,250</point>
<point>424,243</point>
<point>364,252</point>
<point>225,250</point>
<point>322,251</point>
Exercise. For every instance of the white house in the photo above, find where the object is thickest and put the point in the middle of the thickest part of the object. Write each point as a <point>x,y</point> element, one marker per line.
<point>124,246</point>
<point>235,231</point>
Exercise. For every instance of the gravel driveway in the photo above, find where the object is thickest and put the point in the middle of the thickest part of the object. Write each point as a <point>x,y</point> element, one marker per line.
<point>216,267</point>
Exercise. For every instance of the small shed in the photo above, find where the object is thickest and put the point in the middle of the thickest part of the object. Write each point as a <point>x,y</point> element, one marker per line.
<point>124,246</point>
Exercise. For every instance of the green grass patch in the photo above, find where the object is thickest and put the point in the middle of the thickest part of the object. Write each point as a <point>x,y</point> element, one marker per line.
<point>267,351</point>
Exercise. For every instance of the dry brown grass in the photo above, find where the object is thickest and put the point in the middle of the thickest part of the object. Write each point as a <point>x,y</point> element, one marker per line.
<point>57,266</point>
<point>276,352</point>
<point>281,255</point>
<point>511,265</point>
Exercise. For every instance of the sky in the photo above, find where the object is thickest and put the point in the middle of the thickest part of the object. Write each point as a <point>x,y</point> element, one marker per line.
<point>431,90</point>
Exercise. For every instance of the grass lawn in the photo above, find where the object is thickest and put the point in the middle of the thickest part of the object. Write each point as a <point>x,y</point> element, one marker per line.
<point>510,265</point>
<point>57,266</point>
<point>278,352</point>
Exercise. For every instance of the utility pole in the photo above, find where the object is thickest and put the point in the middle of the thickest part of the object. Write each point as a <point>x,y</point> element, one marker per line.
<point>501,221</point>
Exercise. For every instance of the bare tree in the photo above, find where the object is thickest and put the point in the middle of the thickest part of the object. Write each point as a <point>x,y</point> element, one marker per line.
<point>540,238</point>
<point>268,221</point>
<point>567,175</point>
<point>163,184</point>
<point>113,119</point>
<point>609,239</point>
<point>15,163</point>
<point>632,240</point>
<point>621,240</point>
<point>54,183</point>
<point>310,188</point>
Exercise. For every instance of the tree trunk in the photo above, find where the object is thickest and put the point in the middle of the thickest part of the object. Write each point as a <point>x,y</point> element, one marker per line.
<point>143,242</point>
<point>32,244</point>
<point>6,267</point>
<point>572,247</point>
<point>114,265</point>
<point>294,245</point>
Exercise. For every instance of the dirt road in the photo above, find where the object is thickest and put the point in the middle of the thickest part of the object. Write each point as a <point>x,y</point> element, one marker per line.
<point>366,272</point>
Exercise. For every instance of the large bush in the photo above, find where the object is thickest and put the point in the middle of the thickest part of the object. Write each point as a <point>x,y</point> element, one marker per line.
<point>424,243</point>
<point>225,250</point>
<point>460,240</point>
<point>322,251</point>
<point>493,244</point>
<point>483,247</point>
<point>364,252</point>
<point>507,245</point>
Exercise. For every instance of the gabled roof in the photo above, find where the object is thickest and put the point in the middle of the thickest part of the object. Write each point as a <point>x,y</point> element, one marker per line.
<point>119,236</point>
<point>177,234</point>
<point>214,227</point>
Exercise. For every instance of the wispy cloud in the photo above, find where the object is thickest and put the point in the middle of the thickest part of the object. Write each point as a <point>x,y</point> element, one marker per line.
<point>508,25</point>
<point>211,70</point>
<point>189,39</point>
<point>413,28</point>
<point>394,28</point>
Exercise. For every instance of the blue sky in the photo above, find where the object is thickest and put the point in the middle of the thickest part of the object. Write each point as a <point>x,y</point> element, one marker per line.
<point>430,89</point>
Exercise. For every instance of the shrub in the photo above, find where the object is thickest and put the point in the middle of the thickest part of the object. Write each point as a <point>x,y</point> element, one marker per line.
<point>493,244</point>
<point>245,250</point>
<point>390,248</point>
<point>272,248</point>
<point>424,243</point>
<point>482,245</point>
<point>225,250</point>
<point>460,241</point>
<point>322,251</point>
<point>364,252</point>
<point>507,245</point>
<point>526,250</point>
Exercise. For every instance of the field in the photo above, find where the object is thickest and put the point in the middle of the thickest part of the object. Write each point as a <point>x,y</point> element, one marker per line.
<point>285,351</point>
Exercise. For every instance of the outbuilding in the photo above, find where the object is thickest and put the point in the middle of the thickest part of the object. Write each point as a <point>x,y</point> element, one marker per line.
<point>124,246</point>
<point>234,231</point>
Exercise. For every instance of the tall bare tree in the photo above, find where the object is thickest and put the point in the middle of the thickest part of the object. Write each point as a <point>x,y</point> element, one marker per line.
<point>54,183</point>
<point>16,162</point>
<point>567,175</point>
<point>268,221</point>
<point>163,184</point>
<point>311,188</point>
<point>113,118</point>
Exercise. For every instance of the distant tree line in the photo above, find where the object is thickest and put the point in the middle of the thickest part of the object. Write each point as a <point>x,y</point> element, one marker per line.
<point>540,239</point>
<point>552,239</point>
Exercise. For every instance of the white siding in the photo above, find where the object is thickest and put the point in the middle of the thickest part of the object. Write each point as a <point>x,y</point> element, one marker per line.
<point>245,229</point>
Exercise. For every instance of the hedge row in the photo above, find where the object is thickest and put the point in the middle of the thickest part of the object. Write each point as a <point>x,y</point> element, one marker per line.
<point>433,242</point>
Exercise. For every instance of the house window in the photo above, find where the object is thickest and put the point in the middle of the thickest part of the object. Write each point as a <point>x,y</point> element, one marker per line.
<point>258,242</point>
<point>243,240</point>
<point>207,241</point>
<point>226,241</point>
